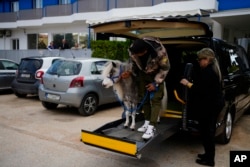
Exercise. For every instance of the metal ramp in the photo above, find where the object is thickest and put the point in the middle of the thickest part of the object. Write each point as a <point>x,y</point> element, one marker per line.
<point>114,137</point>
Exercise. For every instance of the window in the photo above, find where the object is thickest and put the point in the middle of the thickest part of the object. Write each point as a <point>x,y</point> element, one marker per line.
<point>62,2</point>
<point>97,67</point>
<point>37,4</point>
<point>57,38</point>
<point>81,39</point>
<point>65,68</point>
<point>15,44</point>
<point>9,65</point>
<point>38,41</point>
<point>14,6</point>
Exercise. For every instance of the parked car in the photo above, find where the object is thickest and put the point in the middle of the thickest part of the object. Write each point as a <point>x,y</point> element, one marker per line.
<point>76,83</point>
<point>29,73</point>
<point>182,39</point>
<point>7,73</point>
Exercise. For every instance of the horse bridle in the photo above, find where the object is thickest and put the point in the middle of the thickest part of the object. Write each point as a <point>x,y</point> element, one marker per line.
<point>112,78</point>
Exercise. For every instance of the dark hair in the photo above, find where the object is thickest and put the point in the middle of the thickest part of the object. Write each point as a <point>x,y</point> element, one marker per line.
<point>138,46</point>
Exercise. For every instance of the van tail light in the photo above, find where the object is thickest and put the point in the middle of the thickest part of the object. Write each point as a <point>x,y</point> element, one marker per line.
<point>39,75</point>
<point>77,82</point>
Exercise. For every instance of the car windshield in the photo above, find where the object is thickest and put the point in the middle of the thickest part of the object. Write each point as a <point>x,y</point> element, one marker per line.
<point>65,68</point>
<point>31,65</point>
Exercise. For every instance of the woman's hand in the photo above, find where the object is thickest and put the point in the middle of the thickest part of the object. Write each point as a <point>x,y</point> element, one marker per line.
<point>184,82</point>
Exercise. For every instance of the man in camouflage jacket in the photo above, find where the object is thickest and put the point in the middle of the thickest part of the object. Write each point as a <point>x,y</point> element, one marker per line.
<point>151,65</point>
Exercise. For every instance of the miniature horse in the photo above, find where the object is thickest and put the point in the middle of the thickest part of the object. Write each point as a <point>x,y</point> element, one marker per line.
<point>124,87</point>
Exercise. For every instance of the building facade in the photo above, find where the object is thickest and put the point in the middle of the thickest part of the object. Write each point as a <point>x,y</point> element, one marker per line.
<point>33,24</point>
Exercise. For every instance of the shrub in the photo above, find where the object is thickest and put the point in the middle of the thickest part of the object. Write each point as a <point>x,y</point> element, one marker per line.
<point>115,50</point>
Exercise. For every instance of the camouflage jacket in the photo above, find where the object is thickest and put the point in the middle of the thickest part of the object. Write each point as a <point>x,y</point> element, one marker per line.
<point>158,65</point>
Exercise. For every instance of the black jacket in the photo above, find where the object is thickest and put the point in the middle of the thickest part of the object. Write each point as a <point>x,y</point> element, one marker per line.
<point>207,93</point>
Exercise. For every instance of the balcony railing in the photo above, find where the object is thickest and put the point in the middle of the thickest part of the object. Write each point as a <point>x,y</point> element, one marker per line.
<point>79,6</point>
<point>30,14</point>
<point>8,17</point>
<point>59,10</point>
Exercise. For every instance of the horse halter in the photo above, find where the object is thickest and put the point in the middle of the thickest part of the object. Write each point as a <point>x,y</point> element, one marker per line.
<point>112,78</point>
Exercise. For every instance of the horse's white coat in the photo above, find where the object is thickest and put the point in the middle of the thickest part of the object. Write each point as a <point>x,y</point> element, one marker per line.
<point>125,89</point>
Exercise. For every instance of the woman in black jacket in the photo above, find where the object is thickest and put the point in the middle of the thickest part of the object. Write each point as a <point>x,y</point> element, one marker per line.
<point>208,99</point>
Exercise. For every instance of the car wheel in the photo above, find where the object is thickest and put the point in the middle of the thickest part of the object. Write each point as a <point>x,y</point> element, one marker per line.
<point>225,136</point>
<point>20,95</point>
<point>49,105</point>
<point>89,105</point>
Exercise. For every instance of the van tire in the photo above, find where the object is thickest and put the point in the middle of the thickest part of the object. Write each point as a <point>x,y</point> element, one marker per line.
<point>226,135</point>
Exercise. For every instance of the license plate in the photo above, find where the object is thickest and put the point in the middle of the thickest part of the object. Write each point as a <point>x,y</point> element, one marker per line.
<point>53,97</point>
<point>25,75</point>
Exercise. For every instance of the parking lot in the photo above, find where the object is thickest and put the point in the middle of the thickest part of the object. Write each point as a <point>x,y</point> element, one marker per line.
<point>34,136</point>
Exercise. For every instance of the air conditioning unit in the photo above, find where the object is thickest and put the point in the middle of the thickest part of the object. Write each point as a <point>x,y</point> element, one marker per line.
<point>8,33</point>
<point>2,33</point>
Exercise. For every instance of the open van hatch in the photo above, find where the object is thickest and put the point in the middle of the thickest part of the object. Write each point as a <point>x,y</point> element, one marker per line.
<point>167,28</point>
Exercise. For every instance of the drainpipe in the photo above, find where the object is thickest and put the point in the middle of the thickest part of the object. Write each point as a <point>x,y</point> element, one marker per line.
<point>107,5</point>
<point>89,38</point>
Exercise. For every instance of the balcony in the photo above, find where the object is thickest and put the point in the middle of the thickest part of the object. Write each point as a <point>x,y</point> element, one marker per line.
<point>8,17</point>
<point>79,6</point>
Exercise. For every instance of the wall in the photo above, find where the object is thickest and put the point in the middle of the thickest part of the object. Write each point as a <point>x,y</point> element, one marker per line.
<point>21,33</point>
<point>49,2</point>
<point>25,4</point>
<point>16,55</point>
<point>233,4</point>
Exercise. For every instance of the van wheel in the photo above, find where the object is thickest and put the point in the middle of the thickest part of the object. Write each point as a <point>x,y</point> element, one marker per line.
<point>225,136</point>
<point>89,105</point>
<point>20,95</point>
<point>49,105</point>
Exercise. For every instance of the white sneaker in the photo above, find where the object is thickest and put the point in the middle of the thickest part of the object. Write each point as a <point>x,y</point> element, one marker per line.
<point>159,119</point>
<point>144,127</point>
<point>149,133</point>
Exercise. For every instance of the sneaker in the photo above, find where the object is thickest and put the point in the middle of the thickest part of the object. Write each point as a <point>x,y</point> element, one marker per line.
<point>144,127</point>
<point>159,120</point>
<point>149,133</point>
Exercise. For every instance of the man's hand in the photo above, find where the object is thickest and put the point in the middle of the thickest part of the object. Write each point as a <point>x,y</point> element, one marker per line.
<point>125,74</point>
<point>151,87</point>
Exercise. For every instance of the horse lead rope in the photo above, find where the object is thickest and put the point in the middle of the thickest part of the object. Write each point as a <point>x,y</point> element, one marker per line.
<point>133,109</point>
<point>143,100</point>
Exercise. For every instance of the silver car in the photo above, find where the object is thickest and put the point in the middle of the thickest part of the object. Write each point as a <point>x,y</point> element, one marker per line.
<point>7,73</point>
<point>77,83</point>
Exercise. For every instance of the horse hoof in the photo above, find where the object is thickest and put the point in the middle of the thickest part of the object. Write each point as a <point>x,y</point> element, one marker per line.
<point>132,129</point>
<point>125,127</point>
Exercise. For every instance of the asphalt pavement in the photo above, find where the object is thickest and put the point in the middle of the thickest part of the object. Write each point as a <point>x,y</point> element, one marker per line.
<point>32,136</point>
